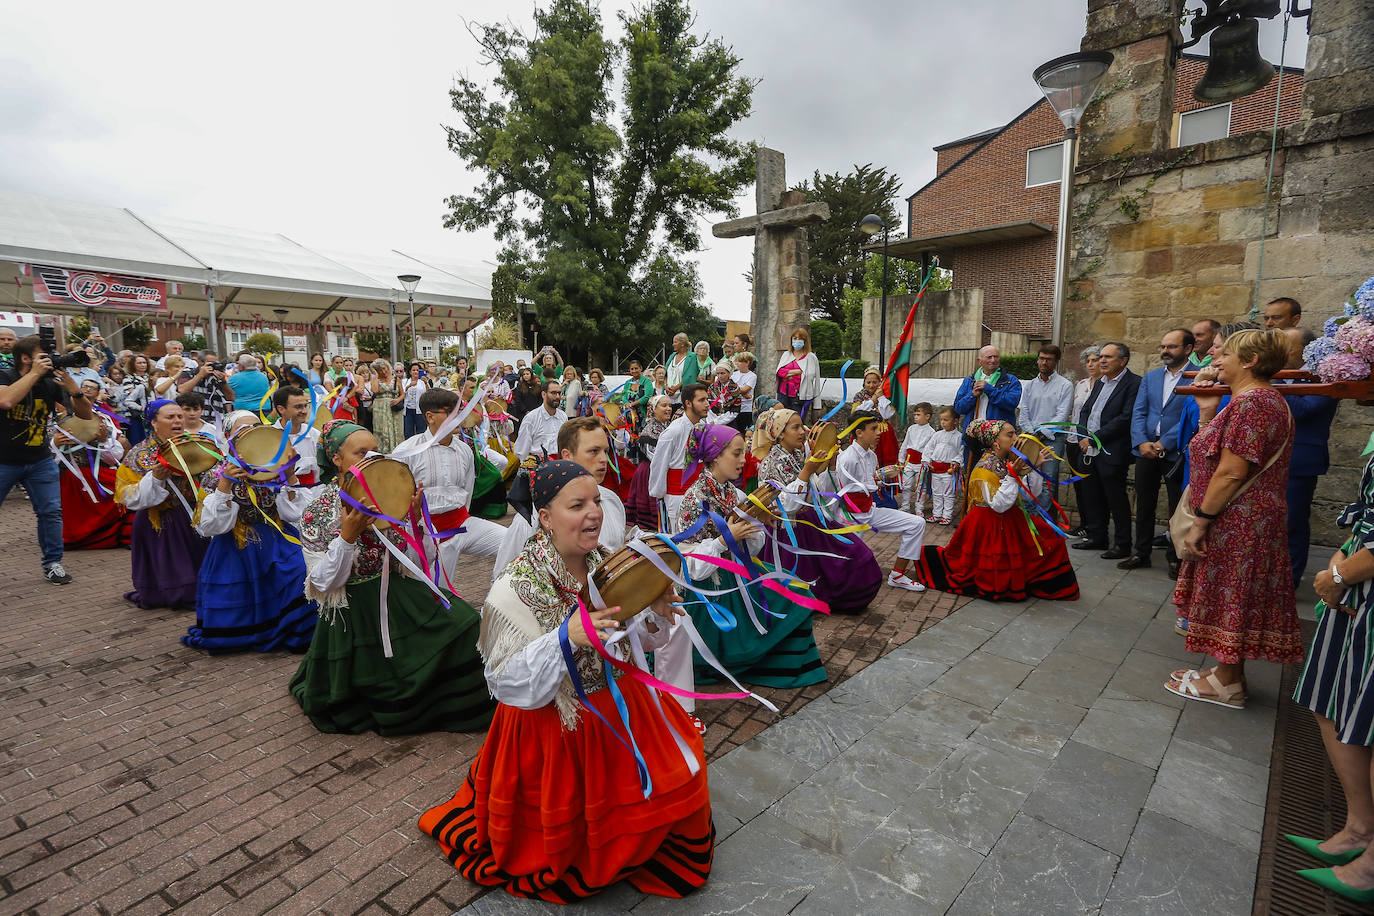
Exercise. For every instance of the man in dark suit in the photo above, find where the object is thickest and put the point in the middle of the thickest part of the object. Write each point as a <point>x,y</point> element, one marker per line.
<point>1312,416</point>
<point>1107,413</point>
<point>1154,433</point>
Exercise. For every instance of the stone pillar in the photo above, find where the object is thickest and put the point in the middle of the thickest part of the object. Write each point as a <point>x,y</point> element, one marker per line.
<point>1135,109</point>
<point>1340,58</point>
<point>794,290</point>
<point>770,186</point>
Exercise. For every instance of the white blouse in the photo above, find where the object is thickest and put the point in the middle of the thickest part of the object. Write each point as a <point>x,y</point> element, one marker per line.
<point>219,511</point>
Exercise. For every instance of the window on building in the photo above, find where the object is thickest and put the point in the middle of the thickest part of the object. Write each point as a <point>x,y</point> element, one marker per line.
<point>1204,124</point>
<point>1044,165</point>
<point>237,338</point>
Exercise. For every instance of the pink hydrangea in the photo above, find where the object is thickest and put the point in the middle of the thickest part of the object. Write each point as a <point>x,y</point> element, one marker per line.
<point>1343,367</point>
<point>1357,336</point>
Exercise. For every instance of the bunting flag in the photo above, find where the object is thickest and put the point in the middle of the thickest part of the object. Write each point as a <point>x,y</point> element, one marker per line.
<point>898,370</point>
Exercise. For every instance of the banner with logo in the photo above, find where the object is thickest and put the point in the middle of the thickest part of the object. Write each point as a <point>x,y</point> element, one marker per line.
<point>88,288</point>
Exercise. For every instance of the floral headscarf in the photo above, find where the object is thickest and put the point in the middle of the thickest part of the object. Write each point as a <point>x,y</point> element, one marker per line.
<point>332,438</point>
<point>768,428</point>
<point>985,431</point>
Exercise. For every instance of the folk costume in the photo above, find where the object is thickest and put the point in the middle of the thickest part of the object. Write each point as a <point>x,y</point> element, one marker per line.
<point>849,582</point>
<point>92,519</point>
<point>307,465</point>
<point>166,553</point>
<point>251,591</point>
<point>668,475</point>
<point>346,683</point>
<point>943,457</point>
<point>911,455</point>
<point>640,508</point>
<point>998,552</point>
<point>857,473</point>
<point>550,808</point>
<point>785,655</point>
<point>522,525</point>
<point>877,403</point>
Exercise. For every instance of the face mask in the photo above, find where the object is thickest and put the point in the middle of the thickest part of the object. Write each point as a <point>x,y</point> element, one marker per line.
<point>798,344</point>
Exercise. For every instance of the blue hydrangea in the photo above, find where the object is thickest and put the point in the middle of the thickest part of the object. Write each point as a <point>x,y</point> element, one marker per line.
<point>1317,351</point>
<point>1364,299</point>
<point>1333,324</point>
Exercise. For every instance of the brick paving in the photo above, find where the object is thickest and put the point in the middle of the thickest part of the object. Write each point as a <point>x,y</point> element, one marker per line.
<point>137,775</point>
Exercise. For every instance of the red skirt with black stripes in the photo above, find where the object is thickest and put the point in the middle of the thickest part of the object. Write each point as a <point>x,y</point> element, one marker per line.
<point>558,815</point>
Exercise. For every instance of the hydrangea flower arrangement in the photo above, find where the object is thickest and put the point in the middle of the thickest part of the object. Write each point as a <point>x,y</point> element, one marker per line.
<point>1346,350</point>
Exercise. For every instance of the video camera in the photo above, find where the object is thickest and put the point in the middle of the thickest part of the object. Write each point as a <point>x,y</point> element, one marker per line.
<point>77,359</point>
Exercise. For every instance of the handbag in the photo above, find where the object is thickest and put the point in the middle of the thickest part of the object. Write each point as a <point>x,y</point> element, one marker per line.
<point>1181,522</point>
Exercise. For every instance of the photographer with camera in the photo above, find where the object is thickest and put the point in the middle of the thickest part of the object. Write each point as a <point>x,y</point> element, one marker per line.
<point>29,392</point>
<point>208,381</point>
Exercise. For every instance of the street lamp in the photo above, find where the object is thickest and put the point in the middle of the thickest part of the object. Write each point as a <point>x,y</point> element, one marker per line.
<point>281,331</point>
<point>410,281</point>
<point>871,225</point>
<point>1068,83</point>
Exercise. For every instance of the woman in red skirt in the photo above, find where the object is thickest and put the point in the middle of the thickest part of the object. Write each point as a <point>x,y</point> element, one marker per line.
<point>552,807</point>
<point>999,552</point>
<point>872,400</point>
<point>91,517</point>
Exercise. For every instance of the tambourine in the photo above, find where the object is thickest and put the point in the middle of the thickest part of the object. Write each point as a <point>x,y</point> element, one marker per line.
<point>256,446</point>
<point>190,452</point>
<point>390,481</point>
<point>629,580</point>
<point>766,494</point>
<point>322,415</point>
<point>1029,446</point>
<point>473,419</point>
<point>892,474</point>
<point>88,431</point>
<point>824,438</point>
<point>610,414</point>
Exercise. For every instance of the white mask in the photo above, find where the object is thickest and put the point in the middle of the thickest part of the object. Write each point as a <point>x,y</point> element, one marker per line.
<point>798,344</point>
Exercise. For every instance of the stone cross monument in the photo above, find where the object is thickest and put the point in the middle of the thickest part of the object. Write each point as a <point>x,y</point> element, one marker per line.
<point>782,280</point>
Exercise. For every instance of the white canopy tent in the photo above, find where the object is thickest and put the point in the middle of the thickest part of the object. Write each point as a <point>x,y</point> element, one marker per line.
<point>220,275</point>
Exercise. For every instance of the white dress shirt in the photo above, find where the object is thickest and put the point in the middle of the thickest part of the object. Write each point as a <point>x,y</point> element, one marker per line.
<point>1045,401</point>
<point>519,532</point>
<point>1108,386</point>
<point>539,431</point>
<point>671,453</point>
<point>307,448</point>
<point>447,471</point>
<point>857,469</point>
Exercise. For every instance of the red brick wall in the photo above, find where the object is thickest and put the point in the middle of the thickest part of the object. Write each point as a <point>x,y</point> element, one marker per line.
<point>1017,280</point>
<point>1255,111</point>
<point>946,157</point>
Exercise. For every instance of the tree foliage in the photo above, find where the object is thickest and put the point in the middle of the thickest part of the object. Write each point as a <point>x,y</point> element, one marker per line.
<point>378,342</point>
<point>499,335</point>
<point>836,246</point>
<point>902,277</point>
<point>507,286</point>
<point>137,336</point>
<point>604,195</point>
<point>263,342</point>
<point>826,339</point>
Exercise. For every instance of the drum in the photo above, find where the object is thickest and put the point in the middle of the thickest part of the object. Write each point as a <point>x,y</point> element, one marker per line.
<point>390,481</point>
<point>473,419</point>
<point>256,446</point>
<point>87,431</point>
<point>190,452</point>
<point>628,580</point>
<point>1027,445</point>
<point>766,494</point>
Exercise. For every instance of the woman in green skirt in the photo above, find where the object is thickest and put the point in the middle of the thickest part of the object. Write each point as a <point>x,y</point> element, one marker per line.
<point>784,654</point>
<point>432,681</point>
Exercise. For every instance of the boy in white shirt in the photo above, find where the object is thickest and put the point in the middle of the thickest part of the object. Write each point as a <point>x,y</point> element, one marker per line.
<point>857,472</point>
<point>943,455</point>
<point>914,444</point>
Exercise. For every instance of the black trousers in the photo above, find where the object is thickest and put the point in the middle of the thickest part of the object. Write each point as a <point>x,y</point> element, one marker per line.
<point>1149,473</point>
<point>1105,501</point>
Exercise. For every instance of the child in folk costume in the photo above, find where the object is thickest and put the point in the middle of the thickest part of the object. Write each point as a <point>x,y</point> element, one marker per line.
<point>872,400</point>
<point>166,553</point>
<point>551,808</point>
<point>250,593</point>
<point>849,582</point>
<point>857,472</point>
<point>943,455</point>
<point>912,456</point>
<point>432,680</point>
<point>92,519</point>
<point>999,552</point>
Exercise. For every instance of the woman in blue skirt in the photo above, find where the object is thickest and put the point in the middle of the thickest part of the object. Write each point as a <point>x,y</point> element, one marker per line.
<point>251,590</point>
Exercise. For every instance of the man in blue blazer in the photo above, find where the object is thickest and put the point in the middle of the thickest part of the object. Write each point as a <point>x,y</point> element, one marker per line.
<point>1155,443</point>
<point>988,394</point>
<point>1312,416</point>
<point>1107,413</point>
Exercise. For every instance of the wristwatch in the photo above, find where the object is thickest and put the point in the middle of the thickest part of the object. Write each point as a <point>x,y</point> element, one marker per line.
<point>1336,575</point>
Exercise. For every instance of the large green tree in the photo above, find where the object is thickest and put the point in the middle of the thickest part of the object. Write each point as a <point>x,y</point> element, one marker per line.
<point>836,246</point>
<point>599,190</point>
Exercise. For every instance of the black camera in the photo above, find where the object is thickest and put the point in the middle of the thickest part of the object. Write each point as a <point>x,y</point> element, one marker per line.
<point>217,367</point>
<point>77,359</point>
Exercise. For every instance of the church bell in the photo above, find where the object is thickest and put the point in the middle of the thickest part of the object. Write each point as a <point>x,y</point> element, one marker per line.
<point>1234,66</point>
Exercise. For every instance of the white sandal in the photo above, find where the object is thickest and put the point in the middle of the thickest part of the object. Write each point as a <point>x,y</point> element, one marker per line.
<point>1232,696</point>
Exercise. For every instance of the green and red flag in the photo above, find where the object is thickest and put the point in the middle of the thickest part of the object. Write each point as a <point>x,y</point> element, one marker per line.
<point>897,372</point>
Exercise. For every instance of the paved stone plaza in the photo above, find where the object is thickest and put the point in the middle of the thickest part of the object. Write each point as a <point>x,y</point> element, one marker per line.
<point>1011,758</point>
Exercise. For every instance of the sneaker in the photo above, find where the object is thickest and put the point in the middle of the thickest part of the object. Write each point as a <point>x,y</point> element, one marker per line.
<point>699,725</point>
<point>902,580</point>
<point>56,574</point>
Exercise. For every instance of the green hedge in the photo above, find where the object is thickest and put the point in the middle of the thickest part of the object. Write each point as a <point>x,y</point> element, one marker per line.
<point>1021,365</point>
<point>830,368</point>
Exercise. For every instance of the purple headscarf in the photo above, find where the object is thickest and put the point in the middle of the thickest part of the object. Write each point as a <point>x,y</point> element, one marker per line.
<point>708,442</point>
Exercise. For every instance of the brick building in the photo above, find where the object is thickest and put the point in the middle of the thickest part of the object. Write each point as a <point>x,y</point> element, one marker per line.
<point>990,212</point>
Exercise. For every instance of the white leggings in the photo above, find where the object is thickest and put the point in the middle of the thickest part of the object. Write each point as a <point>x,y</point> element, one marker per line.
<point>912,528</point>
<point>942,495</point>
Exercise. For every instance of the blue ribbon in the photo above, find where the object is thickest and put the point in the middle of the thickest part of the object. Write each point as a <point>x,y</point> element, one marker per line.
<point>722,617</point>
<point>844,391</point>
<point>646,783</point>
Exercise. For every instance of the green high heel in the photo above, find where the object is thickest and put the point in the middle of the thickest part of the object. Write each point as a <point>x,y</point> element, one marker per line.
<point>1309,846</point>
<point>1326,878</point>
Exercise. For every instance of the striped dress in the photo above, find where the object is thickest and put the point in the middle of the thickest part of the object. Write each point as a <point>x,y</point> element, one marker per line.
<point>1336,682</point>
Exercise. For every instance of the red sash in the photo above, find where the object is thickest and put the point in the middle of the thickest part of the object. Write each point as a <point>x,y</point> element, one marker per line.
<point>941,467</point>
<point>863,502</point>
<point>307,480</point>
<point>453,518</point>
<point>676,485</point>
<point>913,456</point>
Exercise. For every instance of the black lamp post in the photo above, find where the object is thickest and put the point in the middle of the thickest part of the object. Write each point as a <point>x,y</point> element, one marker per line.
<point>410,281</point>
<point>281,331</point>
<point>871,225</point>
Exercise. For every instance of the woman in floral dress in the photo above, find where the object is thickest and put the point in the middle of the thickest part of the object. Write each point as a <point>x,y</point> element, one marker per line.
<point>386,423</point>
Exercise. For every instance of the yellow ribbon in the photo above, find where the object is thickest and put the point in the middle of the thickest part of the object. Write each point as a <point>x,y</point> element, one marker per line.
<point>253,498</point>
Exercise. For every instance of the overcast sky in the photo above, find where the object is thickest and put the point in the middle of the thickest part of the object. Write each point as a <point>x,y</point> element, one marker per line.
<point>322,121</point>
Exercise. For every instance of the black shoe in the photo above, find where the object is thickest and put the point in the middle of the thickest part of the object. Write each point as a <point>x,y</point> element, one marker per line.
<point>1089,545</point>
<point>1160,541</point>
<point>1133,563</point>
<point>56,574</point>
<point>1173,569</point>
<point>1115,554</point>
